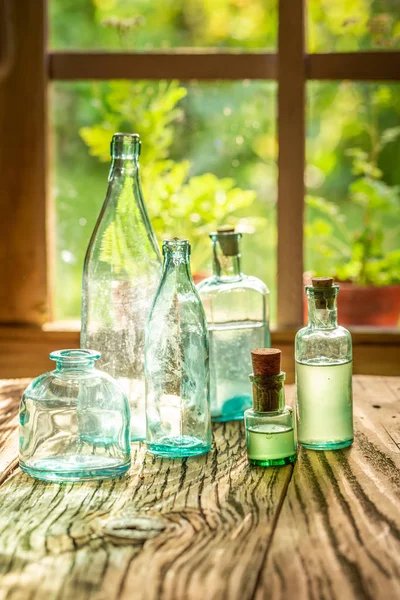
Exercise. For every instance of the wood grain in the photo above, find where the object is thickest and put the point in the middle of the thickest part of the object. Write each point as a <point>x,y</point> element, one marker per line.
<point>197,528</point>
<point>23,153</point>
<point>338,534</point>
<point>213,527</point>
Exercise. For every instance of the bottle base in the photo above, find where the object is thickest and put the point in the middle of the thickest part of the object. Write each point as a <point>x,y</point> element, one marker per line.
<point>326,445</point>
<point>178,447</point>
<point>75,468</point>
<point>274,462</point>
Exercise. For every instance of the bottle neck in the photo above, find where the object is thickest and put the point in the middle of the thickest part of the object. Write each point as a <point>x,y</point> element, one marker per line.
<point>226,256</point>
<point>71,366</point>
<point>124,167</point>
<point>227,267</point>
<point>322,311</point>
<point>74,360</point>
<point>177,263</point>
<point>268,392</point>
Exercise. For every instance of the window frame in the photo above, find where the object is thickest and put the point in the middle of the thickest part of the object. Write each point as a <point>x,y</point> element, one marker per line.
<point>25,301</point>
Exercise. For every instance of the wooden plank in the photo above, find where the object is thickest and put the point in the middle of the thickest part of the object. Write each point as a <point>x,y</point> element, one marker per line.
<point>10,394</point>
<point>183,65</point>
<point>360,66</point>
<point>338,534</point>
<point>291,162</point>
<point>23,290</point>
<point>197,528</point>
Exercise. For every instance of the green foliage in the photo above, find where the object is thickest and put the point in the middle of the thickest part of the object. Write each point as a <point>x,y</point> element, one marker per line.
<point>359,255</point>
<point>179,204</point>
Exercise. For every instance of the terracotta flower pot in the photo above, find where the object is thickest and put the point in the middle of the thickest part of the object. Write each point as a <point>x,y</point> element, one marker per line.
<point>197,277</point>
<point>366,305</point>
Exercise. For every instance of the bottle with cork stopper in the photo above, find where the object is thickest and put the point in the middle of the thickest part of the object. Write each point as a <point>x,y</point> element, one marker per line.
<point>269,424</point>
<point>323,356</point>
<point>237,311</point>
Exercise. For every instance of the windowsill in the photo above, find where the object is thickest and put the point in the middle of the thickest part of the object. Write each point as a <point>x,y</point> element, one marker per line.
<point>24,349</point>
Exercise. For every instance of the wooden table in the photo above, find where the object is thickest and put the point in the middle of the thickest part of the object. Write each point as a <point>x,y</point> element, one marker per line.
<point>212,527</point>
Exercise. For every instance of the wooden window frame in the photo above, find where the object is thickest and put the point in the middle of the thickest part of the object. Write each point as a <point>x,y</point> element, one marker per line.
<point>26,233</point>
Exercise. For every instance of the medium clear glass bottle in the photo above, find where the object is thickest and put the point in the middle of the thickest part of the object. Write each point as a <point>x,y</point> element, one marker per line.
<point>176,362</point>
<point>74,422</point>
<point>323,353</point>
<point>121,274</point>
<point>270,437</point>
<point>237,311</point>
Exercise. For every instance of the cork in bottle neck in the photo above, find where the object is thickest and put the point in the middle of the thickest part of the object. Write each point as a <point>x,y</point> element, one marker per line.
<point>267,379</point>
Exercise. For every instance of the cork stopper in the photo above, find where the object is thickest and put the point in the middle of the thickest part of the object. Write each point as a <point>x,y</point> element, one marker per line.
<point>226,229</point>
<point>228,240</point>
<point>266,361</point>
<point>267,379</point>
<point>322,298</point>
<point>322,281</point>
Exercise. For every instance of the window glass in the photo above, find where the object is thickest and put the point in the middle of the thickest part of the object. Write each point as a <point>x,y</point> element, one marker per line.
<point>353,25</point>
<point>151,24</point>
<point>220,137</point>
<point>352,226</point>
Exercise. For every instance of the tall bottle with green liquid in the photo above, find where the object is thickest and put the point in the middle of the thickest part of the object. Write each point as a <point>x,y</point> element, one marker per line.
<point>323,353</point>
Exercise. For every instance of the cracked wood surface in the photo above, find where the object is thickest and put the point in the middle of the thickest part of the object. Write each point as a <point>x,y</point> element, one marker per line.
<point>212,527</point>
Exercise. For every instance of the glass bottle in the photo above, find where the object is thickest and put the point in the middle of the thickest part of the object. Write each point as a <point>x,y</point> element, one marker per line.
<point>121,274</point>
<point>269,424</point>
<point>176,362</point>
<point>74,422</point>
<point>237,311</point>
<point>323,353</point>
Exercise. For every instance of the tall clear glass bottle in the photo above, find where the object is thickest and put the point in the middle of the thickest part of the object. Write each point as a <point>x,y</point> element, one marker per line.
<point>323,353</point>
<point>121,274</point>
<point>237,311</point>
<point>176,362</point>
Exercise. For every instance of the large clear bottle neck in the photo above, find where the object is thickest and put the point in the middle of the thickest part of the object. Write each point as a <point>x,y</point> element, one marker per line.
<point>125,152</point>
<point>226,255</point>
<point>322,307</point>
<point>123,167</point>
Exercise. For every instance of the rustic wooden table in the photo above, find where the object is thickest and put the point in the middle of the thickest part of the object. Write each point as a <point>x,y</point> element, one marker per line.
<point>212,527</point>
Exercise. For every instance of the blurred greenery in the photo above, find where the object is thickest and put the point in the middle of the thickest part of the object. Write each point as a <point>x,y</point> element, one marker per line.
<point>209,149</point>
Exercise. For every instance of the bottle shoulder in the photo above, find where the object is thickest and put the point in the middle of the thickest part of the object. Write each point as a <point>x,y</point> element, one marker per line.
<point>323,345</point>
<point>312,333</point>
<point>56,383</point>
<point>215,285</point>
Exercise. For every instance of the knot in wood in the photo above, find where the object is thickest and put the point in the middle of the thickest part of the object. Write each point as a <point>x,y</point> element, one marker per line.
<point>133,530</point>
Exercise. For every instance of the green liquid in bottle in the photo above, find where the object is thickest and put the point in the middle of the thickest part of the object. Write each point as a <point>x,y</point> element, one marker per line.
<point>324,405</point>
<point>270,444</point>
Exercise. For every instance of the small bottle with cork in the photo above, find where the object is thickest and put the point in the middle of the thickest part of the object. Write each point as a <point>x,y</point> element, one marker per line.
<point>269,424</point>
<point>323,354</point>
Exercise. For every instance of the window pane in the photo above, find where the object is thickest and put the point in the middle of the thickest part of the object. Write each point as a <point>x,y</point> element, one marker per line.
<point>353,205</point>
<point>225,132</point>
<point>146,24</point>
<point>352,25</point>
